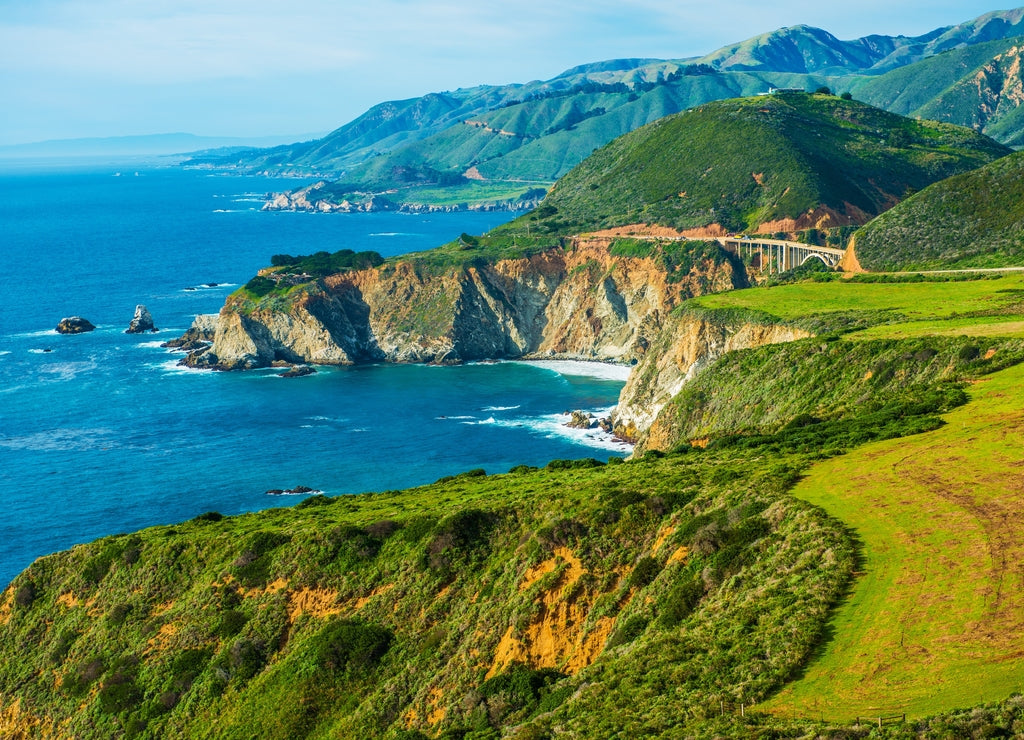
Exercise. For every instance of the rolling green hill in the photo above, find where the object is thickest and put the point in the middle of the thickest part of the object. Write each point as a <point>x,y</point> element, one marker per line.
<point>540,130</point>
<point>975,219</point>
<point>746,162</point>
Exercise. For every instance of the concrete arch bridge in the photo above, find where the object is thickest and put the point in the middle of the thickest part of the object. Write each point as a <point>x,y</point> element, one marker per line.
<point>777,255</point>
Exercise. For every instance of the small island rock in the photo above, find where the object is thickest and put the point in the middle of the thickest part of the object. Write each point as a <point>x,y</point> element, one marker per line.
<point>580,420</point>
<point>74,325</point>
<point>142,322</point>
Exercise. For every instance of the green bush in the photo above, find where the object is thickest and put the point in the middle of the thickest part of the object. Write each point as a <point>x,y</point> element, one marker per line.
<point>351,646</point>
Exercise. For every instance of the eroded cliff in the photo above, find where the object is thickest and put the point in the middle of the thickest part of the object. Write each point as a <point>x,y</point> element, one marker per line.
<point>582,303</point>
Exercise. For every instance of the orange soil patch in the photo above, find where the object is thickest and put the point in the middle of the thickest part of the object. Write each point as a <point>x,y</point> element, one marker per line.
<point>849,262</point>
<point>19,724</point>
<point>437,713</point>
<point>5,608</point>
<point>679,555</point>
<point>473,174</point>
<point>320,602</point>
<point>162,639</point>
<point>540,570</point>
<point>68,600</point>
<point>667,531</point>
<point>557,636</point>
<point>364,600</point>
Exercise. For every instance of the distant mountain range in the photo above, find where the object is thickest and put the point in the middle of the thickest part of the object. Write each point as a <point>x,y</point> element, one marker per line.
<point>128,146</point>
<point>529,134</point>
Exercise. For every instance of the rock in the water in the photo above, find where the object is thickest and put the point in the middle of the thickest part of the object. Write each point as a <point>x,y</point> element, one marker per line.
<point>142,322</point>
<point>580,420</point>
<point>74,325</point>
<point>298,371</point>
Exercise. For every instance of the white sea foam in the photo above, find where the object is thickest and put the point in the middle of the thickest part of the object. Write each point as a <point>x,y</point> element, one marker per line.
<point>393,233</point>
<point>499,408</point>
<point>489,420</point>
<point>171,367</point>
<point>150,345</point>
<point>32,334</point>
<point>582,368</point>
<point>67,370</point>
<point>40,351</point>
<point>5,352</point>
<point>62,439</point>
<point>456,418</point>
<point>553,426</point>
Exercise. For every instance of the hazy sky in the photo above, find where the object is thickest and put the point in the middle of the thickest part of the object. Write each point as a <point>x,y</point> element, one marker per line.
<point>73,68</point>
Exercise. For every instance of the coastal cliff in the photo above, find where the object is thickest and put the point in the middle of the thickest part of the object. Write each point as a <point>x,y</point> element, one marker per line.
<point>684,347</point>
<point>582,302</point>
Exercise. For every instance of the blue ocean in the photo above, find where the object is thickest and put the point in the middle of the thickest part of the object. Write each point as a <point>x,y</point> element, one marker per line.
<point>102,433</point>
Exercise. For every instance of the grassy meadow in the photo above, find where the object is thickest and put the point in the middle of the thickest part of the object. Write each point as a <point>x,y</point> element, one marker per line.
<point>937,609</point>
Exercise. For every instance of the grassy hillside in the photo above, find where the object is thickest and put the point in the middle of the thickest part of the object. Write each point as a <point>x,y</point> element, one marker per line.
<point>474,604</point>
<point>740,163</point>
<point>934,617</point>
<point>580,600</point>
<point>972,220</point>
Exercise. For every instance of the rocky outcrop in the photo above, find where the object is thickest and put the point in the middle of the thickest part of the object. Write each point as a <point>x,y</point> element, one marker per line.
<point>142,322</point>
<point>580,303</point>
<point>199,335</point>
<point>74,325</point>
<point>685,346</point>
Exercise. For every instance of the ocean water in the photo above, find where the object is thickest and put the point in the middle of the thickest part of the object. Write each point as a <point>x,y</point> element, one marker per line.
<point>103,432</point>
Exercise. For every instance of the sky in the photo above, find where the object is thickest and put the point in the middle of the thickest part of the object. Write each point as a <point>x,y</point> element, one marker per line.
<point>96,68</point>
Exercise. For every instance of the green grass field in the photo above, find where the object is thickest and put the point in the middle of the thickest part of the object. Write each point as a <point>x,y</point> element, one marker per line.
<point>977,307</point>
<point>935,617</point>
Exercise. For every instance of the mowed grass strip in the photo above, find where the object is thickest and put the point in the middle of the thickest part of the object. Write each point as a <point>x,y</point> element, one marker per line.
<point>935,621</point>
<point>925,301</point>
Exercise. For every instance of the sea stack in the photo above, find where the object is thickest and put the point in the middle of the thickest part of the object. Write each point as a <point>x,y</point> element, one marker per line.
<point>142,322</point>
<point>74,325</point>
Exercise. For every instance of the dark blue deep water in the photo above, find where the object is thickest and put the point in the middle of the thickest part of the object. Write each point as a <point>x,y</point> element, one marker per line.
<point>102,433</point>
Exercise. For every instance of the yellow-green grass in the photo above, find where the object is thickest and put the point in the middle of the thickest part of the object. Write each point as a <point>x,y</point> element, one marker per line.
<point>916,301</point>
<point>935,620</point>
<point>975,326</point>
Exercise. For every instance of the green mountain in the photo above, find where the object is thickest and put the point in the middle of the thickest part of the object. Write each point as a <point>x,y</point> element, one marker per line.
<point>975,219</point>
<point>538,131</point>
<point>977,86</point>
<point>749,163</point>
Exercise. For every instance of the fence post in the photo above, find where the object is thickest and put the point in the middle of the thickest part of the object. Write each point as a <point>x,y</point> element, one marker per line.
<point>879,723</point>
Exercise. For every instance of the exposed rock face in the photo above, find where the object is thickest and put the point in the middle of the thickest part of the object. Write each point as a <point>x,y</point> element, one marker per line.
<point>686,345</point>
<point>581,303</point>
<point>74,325</point>
<point>199,335</point>
<point>141,322</point>
<point>581,420</point>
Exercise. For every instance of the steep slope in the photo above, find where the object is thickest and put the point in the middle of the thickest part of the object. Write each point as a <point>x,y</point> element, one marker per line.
<point>975,219</point>
<point>748,164</point>
<point>583,301</point>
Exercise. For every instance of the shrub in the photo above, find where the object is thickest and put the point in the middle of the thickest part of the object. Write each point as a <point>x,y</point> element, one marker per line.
<point>631,629</point>
<point>209,516</point>
<point>644,572</point>
<point>26,594</point>
<point>351,646</point>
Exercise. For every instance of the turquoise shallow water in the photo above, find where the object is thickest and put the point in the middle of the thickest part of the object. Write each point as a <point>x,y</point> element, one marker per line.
<point>102,432</point>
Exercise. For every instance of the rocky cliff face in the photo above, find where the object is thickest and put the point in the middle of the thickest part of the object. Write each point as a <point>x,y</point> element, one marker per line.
<point>685,346</point>
<point>580,303</point>
<point>577,303</point>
